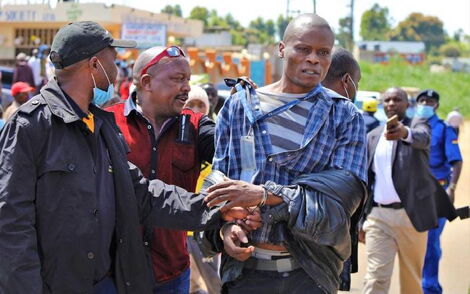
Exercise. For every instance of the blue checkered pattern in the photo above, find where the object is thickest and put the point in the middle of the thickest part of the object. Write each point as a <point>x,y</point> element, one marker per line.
<point>334,138</point>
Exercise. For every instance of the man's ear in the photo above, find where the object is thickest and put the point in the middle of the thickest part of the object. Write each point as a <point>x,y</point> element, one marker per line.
<point>93,64</point>
<point>281,48</point>
<point>436,106</point>
<point>345,79</point>
<point>145,82</point>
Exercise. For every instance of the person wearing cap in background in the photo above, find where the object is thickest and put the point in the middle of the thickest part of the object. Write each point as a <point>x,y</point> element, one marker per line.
<point>369,106</point>
<point>198,100</point>
<point>23,72</point>
<point>166,142</point>
<point>406,200</point>
<point>216,102</point>
<point>71,205</point>
<point>446,164</point>
<point>21,93</point>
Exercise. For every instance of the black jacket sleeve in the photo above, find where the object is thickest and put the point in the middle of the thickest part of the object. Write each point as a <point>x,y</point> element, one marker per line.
<point>19,260</point>
<point>172,207</point>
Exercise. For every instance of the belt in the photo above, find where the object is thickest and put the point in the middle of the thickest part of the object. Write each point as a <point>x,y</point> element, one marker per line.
<point>278,265</point>
<point>395,205</point>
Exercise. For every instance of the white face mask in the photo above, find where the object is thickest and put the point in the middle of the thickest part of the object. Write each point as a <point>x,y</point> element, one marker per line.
<point>355,89</point>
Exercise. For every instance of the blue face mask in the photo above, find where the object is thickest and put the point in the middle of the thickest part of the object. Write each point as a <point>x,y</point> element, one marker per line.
<point>410,112</point>
<point>100,97</point>
<point>424,111</point>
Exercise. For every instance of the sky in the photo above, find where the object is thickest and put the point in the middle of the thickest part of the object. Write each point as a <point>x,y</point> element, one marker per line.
<point>454,13</point>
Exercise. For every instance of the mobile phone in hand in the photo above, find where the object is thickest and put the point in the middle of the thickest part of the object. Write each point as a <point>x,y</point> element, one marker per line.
<point>391,122</point>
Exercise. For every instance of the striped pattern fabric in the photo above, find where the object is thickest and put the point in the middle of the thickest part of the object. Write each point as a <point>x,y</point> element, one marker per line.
<point>286,129</point>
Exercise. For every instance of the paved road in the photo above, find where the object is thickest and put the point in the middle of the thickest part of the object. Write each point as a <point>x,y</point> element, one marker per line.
<point>455,262</point>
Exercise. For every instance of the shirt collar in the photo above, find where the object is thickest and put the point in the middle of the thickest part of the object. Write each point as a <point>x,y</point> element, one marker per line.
<point>74,105</point>
<point>130,104</point>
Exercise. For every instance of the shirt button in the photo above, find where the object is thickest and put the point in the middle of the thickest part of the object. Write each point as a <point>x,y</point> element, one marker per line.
<point>95,212</point>
<point>153,171</point>
<point>154,148</point>
<point>146,243</point>
<point>270,159</point>
<point>264,132</point>
<point>149,127</point>
<point>270,216</point>
<point>90,255</point>
<point>94,170</point>
<point>71,167</point>
<point>35,102</point>
<point>121,241</point>
<point>128,283</point>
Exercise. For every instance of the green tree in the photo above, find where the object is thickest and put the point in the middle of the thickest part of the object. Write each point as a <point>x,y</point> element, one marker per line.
<point>174,10</point>
<point>260,31</point>
<point>200,13</point>
<point>271,28</point>
<point>232,23</point>
<point>281,24</point>
<point>375,23</point>
<point>343,35</point>
<point>418,27</point>
<point>216,21</point>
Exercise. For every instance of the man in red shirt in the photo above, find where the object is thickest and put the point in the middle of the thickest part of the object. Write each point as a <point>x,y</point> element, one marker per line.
<point>167,143</point>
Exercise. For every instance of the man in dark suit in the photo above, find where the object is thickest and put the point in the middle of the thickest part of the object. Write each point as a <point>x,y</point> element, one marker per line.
<point>405,201</point>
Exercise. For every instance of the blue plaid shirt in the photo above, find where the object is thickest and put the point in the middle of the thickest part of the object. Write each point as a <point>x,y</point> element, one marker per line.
<point>334,138</point>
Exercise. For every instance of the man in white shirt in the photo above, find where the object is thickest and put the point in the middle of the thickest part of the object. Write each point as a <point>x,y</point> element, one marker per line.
<point>35,63</point>
<point>405,200</point>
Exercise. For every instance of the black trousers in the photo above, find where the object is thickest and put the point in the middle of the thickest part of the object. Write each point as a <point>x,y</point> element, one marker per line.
<point>270,282</point>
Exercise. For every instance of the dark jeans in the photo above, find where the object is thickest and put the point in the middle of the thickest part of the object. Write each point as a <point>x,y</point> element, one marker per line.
<point>270,282</point>
<point>179,285</point>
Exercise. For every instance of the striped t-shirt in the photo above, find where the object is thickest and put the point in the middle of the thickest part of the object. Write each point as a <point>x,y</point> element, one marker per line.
<point>286,130</point>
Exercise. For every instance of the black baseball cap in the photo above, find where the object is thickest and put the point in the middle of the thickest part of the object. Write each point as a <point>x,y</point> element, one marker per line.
<point>428,93</point>
<point>80,40</point>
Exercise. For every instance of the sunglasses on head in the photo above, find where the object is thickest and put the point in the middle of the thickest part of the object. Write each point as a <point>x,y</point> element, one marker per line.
<point>173,51</point>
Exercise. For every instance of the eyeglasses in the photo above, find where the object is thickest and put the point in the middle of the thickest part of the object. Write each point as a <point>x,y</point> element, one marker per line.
<point>173,51</point>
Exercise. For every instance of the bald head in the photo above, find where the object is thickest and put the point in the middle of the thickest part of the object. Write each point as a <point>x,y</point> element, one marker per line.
<point>143,59</point>
<point>304,22</point>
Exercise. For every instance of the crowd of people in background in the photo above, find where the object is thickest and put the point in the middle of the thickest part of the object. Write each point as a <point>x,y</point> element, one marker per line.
<point>126,146</point>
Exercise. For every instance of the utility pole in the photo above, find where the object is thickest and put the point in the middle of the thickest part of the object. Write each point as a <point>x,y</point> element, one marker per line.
<point>315,6</point>
<point>351,28</point>
<point>287,9</point>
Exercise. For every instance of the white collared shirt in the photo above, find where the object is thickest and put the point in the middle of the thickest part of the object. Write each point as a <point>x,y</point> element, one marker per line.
<point>384,190</point>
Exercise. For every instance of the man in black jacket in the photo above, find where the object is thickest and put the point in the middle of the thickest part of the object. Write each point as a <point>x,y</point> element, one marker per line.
<point>405,201</point>
<point>71,206</point>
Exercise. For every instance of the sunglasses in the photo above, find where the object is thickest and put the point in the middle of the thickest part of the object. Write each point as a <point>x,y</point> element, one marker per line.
<point>173,51</point>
